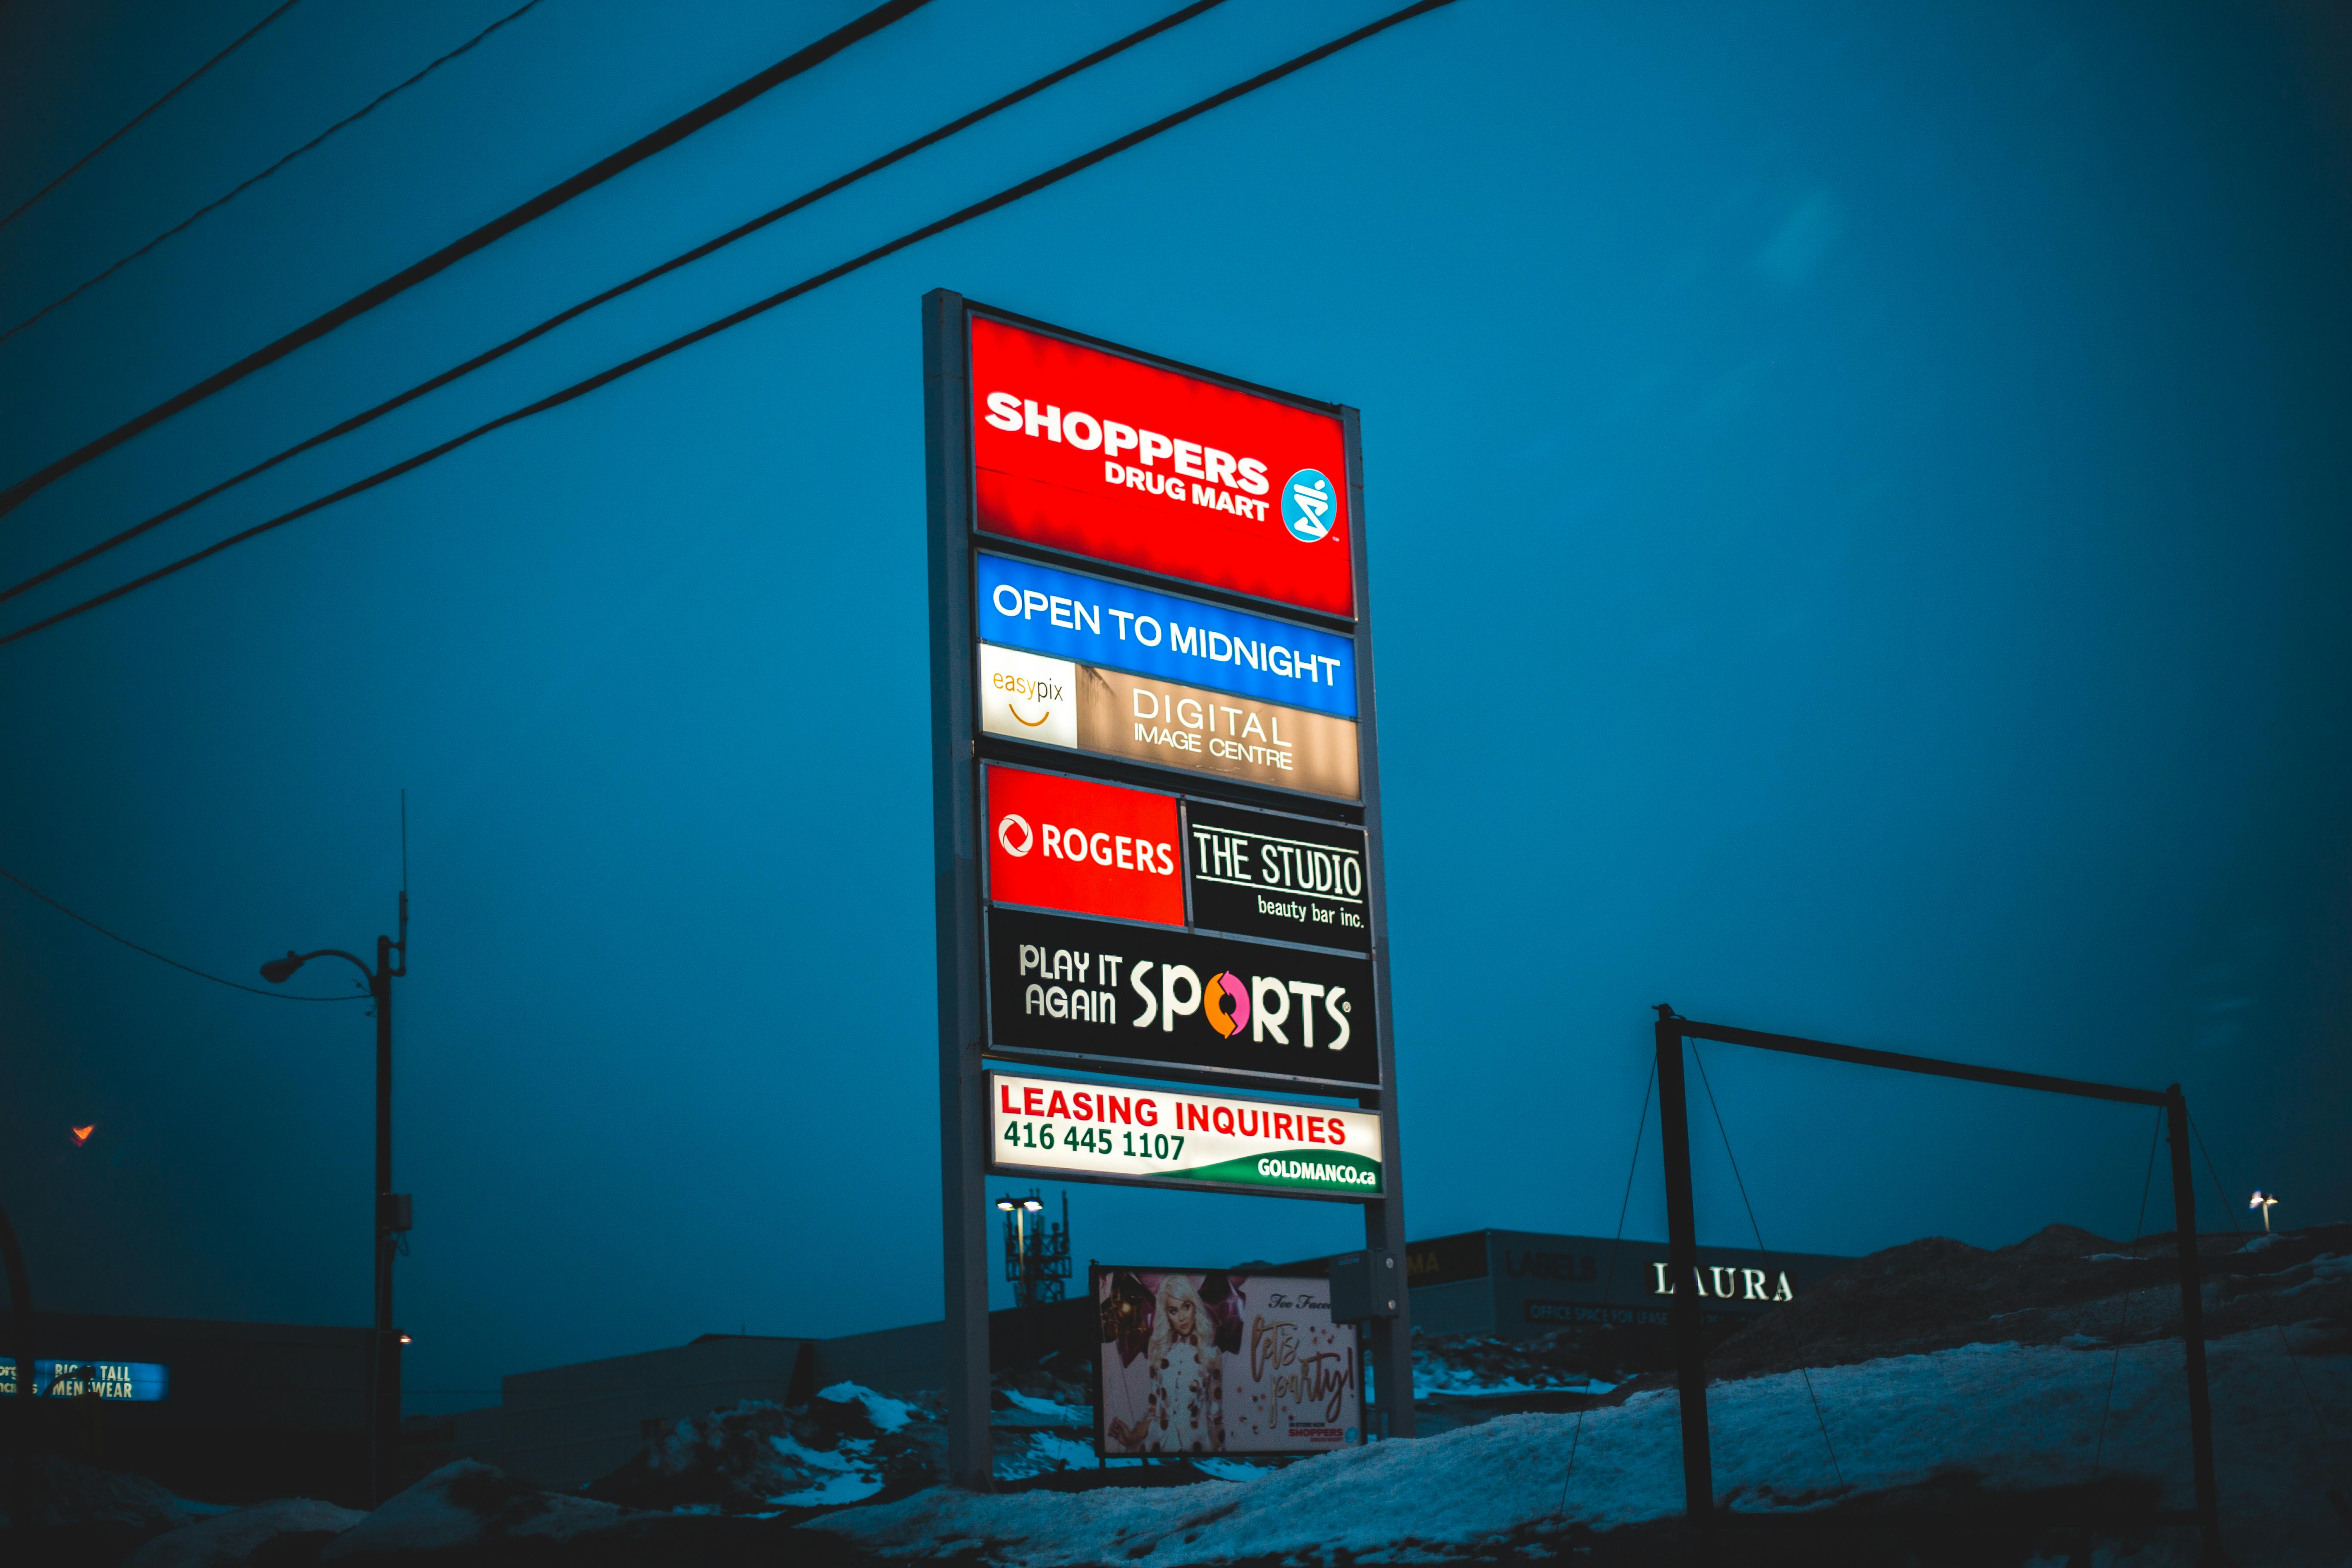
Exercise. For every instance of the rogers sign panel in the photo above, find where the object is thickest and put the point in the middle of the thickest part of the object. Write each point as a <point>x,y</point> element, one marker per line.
<point>1090,849</point>
<point>1102,456</point>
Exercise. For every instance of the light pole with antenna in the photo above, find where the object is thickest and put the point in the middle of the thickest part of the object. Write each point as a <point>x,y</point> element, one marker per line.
<point>391,1209</point>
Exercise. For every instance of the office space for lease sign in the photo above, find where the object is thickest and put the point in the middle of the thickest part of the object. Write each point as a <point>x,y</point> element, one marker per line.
<point>1091,452</point>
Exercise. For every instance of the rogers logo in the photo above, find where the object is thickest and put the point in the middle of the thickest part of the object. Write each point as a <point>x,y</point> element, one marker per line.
<point>1004,835</point>
<point>1016,838</point>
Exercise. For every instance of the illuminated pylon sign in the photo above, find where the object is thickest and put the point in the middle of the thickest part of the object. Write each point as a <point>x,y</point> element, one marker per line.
<point>1156,809</point>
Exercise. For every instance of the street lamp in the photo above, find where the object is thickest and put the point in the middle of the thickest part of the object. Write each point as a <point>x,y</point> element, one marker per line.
<point>391,1209</point>
<point>1020,1209</point>
<point>2265,1202</point>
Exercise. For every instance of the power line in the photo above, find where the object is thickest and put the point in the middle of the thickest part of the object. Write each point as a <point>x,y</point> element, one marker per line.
<point>578,389</point>
<point>456,250</point>
<point>190,969</point>
<point>235,44</point>
<point>243,186</point>
<point>499,351</point>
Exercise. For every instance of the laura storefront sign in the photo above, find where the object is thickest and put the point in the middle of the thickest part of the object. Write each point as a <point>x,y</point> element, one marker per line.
<point>1105,456</point>
<point>1220,1362</point>
<point>1148,998</point>
<point>1174,1137</point>
<point>1085,708</point>
<point>1285,876</point>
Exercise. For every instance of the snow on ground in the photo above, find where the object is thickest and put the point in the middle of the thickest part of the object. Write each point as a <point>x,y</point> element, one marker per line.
<point>888,1414</point>
<point>1028,1410</point>
<point>1483,1366</point>
<point>464,1503</point>
<point>71,1494</point>
<point>236,1534</point>
<point>2019,1417</point>
<point>829,1477</point>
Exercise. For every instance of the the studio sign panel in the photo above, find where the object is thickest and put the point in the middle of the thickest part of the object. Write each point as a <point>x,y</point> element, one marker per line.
<point>1264,875</point>
<point>1139,995</point>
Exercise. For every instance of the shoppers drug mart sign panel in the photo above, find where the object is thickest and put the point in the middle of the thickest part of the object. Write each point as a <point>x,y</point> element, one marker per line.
<point>1091,452</point>
<point>1167,1138</point>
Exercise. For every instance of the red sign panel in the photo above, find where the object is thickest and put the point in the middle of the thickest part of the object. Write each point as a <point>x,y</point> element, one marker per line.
<point>1088,849</point>
<point>1102,456</point>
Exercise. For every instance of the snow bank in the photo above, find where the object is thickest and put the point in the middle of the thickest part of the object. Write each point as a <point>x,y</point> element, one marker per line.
<point>69,1494</point>
<point>235,1536</point>
<point>2019,1417</point>
<point>1485,1366</point>
<point>465,1503</point>
<point>888,1414</point>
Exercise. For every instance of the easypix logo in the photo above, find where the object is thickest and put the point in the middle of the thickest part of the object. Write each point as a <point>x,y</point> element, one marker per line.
<point>1307,502</point>
<point>1267,1006</point>
<point>1027,696</point>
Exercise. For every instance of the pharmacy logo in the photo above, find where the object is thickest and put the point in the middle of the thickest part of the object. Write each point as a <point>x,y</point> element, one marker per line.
<point>1307,503</point>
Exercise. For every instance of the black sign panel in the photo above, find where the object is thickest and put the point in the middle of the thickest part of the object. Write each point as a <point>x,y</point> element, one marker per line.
<point>1264,875</point>
<point>1206,1003</point>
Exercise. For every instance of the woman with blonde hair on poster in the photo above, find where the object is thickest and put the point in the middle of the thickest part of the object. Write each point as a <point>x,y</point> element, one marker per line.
<point>1186,1411</point>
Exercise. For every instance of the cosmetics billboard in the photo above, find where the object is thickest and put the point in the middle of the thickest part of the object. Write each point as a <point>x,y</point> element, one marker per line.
<point>1155,811</point>
<point>1200,1362</point>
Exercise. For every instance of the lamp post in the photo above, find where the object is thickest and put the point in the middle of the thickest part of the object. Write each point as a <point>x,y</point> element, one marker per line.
<point>1020,1209</point>
<point>2265,1202</point>
<point>391,1209</point>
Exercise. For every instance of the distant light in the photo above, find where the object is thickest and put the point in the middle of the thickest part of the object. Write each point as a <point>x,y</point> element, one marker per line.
<point>1032,1204</point>
<point>2265,1202</point>
<point>1007,1204</point>
<point>406,1340</point>
<point>81,1134</point>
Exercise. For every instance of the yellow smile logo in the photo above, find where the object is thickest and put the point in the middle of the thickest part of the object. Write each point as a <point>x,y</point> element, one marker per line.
<point>1032,724</point>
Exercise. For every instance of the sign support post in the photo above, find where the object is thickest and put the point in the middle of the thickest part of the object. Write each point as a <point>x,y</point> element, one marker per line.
<point>963,1132</point>
<point>1682,1317</point>
<point>1391,1337</point>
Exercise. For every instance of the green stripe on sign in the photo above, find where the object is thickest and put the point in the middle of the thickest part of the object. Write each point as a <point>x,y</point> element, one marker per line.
<point>1318,1169</point>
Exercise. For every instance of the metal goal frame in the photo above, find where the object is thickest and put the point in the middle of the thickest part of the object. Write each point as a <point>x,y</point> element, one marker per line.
<point>1683,1313</point>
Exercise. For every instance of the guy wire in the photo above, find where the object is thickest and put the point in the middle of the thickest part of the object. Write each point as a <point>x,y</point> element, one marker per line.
<point>1609,1284</point>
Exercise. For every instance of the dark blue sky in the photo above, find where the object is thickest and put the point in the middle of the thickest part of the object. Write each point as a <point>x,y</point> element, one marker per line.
<point>1858,512</point>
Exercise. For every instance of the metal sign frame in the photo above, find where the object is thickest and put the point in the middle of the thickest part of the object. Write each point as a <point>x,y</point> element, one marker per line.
<point>959,849</point>
<point>1682,1244</point>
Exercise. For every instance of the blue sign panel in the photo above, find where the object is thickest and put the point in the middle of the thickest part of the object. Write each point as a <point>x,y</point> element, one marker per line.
<point>139,1380</point>
<point>1091,621</point>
